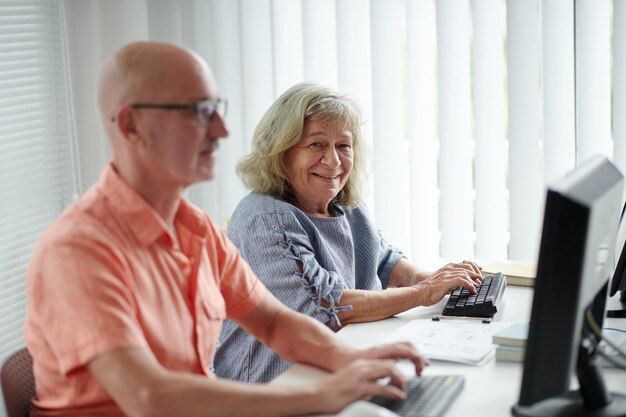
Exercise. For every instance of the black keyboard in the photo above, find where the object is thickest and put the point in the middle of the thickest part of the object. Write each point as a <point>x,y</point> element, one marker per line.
<point>483,304</point>
<point>426,396</point>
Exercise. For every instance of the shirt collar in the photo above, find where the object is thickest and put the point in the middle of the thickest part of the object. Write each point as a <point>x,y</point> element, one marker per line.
<point>142,219</point>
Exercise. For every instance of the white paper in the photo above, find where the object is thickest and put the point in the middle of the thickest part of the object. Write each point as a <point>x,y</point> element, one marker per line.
<point>465,341</point>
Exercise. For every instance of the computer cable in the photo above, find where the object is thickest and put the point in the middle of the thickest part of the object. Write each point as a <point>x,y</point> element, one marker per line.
<point>615,330</point>
<point>595,328</point>
<point>612,360</point>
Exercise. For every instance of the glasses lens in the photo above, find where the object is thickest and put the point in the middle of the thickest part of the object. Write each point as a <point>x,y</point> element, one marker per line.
<point>205,110</point>
<point>222,107</point>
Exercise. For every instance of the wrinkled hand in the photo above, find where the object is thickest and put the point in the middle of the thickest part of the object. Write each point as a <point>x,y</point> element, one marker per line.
<point>464,274</point>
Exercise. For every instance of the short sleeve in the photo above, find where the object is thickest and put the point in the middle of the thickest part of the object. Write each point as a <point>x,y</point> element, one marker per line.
<point>389,257</point>
<point>79,275</point>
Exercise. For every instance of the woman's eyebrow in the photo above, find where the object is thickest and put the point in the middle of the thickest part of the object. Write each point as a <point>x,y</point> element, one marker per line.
<point>315,133</point>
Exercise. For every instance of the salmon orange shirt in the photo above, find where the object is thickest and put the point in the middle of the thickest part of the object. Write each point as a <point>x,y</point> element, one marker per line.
<point>107,274</point>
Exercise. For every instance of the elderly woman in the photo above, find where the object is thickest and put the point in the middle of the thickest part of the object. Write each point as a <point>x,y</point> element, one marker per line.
<point>305,232</point>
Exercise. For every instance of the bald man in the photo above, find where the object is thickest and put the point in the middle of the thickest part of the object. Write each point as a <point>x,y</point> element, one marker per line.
<point>128,289</point>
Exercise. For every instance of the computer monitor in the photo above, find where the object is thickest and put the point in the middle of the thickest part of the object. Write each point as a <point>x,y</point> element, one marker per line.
<point>576,258</point>
<point>616,304</point>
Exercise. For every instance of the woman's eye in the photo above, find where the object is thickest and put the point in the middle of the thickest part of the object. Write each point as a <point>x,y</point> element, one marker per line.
<point>315,145</point>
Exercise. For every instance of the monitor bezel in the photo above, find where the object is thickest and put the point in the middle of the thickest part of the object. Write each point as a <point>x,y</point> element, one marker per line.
<point>574,232</point>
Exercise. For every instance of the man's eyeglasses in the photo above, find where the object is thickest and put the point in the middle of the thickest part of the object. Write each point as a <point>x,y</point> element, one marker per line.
<point>203,109</point>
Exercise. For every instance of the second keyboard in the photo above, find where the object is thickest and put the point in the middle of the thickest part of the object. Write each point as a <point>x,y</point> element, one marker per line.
<point>482,304</point>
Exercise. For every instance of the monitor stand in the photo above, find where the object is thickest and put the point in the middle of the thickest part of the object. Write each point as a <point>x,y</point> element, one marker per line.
<point>572,405</point>
<point>592,398</point>
<point>616,305</point>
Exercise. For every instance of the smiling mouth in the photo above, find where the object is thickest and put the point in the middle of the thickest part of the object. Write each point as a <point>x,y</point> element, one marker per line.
<point>327,177</point>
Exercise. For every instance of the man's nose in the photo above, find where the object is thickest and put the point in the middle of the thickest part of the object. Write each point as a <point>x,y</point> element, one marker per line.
<point>217,127</point>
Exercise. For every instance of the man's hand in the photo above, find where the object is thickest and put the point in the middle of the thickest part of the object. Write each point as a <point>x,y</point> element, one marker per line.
<point>396,351</point>
<point>388,352</point>
<point>361,380</point>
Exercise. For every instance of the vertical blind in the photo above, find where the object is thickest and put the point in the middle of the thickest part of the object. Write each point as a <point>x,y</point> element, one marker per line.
<point>472,106</point>
<point>35,155</point>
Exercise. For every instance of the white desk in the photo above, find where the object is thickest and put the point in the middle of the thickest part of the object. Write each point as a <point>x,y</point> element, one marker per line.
<point>490,390</point>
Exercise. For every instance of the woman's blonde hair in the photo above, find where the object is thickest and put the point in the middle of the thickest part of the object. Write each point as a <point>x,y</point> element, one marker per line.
<point>280,128</point>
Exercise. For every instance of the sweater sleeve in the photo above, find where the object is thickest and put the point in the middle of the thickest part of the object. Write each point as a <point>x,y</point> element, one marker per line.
<point>279,249</point>
<point>373,248</point>
<point>388,259</point>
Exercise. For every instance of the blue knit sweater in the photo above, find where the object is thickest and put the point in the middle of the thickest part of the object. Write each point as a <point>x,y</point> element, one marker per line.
<point>301,259</point>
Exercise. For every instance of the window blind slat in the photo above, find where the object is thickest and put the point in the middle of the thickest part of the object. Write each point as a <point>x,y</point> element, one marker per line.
<point>320,41</point>
<point>455,147</point>
<point>287,43</point>
<point>257,69</point>
<point>13,280</point>
<point>525,178</point>
<point>391,203</point>
<point>619,84</point>
<point>226,31</point>
<point>40,195</point>
<point>14,255</point>
<point>490,162</point>
<point>422,130</point>
<point>354,57</point>
<point>559,125</point>
<point>35,175</point>
<point>593,78</point>
<point>354,52</point>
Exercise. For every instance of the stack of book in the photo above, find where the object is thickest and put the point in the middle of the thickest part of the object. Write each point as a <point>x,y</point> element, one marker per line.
<point>511,342</point>
<point>517,273</point>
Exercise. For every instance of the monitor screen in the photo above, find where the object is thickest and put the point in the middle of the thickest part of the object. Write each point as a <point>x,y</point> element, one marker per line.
<point>576,259</point>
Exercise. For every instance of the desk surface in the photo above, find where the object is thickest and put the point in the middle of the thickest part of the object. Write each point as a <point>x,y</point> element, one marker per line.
<point>501,380</point>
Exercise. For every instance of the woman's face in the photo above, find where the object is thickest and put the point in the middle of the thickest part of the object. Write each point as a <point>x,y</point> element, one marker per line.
<point>319,164</point>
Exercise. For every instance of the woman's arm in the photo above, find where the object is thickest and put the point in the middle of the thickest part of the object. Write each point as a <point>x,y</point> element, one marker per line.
<point>408,287</point>
<point>300,339</point>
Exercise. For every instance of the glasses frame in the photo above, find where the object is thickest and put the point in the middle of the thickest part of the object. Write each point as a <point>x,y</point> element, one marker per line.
<point>204,109</point>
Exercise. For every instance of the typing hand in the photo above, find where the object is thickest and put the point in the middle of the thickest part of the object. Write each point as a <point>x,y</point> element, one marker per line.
<point>360,381</point>
<point>397,351</point>
<point>464,274</point>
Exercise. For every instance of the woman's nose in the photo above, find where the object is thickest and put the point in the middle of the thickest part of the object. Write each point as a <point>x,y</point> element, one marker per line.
<point>331,157</point>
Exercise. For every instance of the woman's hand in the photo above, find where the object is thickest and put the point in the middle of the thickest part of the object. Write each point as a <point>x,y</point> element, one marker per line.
<point>464,274</point>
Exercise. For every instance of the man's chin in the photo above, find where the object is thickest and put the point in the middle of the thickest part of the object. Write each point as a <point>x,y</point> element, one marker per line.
<point>208,175</point>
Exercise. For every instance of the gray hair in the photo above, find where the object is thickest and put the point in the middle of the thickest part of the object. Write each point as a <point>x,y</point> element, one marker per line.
<point>281,127</point>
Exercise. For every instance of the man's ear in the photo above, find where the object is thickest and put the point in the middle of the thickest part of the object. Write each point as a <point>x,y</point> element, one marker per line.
<point>127,123</point>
